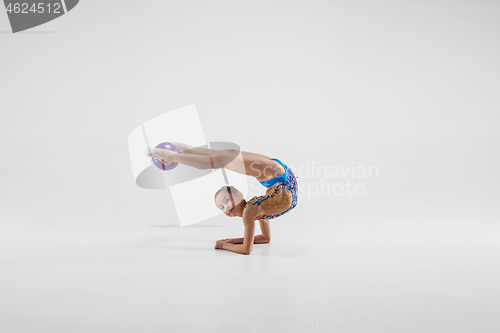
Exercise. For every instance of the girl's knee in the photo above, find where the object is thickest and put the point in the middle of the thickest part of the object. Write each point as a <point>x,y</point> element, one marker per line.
<point>224,157</point>
<point>230,152</point>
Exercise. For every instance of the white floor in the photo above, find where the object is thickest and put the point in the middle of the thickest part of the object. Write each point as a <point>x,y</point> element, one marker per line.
<point>162,278</point>
<point>407,87</point>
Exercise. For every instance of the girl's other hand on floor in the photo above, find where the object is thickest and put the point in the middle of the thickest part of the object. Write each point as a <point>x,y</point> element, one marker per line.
<point>219,244</point>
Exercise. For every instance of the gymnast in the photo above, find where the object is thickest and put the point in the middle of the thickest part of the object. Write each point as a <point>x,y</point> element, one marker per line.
<point>280,196</point>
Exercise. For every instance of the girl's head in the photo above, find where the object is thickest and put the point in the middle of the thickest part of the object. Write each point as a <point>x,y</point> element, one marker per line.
<point>227,199</point>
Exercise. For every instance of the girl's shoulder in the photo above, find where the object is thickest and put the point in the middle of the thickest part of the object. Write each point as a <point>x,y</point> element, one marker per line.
<point>253,209</point>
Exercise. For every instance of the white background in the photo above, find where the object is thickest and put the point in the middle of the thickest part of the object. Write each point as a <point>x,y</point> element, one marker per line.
<point>410,87</point>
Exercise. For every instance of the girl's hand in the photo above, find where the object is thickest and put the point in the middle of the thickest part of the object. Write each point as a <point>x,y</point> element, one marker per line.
<point>219,245</point>
<point>229,240</point>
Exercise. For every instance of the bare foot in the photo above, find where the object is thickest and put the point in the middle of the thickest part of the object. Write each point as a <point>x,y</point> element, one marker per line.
<point>163,154</point>
<point>183,146</point>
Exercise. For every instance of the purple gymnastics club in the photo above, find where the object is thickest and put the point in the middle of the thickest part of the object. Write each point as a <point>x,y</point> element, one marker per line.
<point>168,146</point>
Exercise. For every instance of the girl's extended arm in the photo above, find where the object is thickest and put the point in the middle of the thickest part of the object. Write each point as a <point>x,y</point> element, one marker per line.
<point>248,239</point>
<point>259,239</point>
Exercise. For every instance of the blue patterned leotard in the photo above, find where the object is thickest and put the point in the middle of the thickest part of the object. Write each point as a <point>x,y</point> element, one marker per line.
<point>281,194</point>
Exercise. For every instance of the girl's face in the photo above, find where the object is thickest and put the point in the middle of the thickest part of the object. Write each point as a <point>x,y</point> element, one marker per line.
<point>227,202</point>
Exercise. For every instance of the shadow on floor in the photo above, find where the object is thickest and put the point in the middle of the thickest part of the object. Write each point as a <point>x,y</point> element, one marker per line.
<point>189,226</point>
<point>284,251</point>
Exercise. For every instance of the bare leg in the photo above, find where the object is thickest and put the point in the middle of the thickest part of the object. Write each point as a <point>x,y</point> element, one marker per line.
<point>188,149</point>
<point>251,164</point>
<point>202,162</point>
